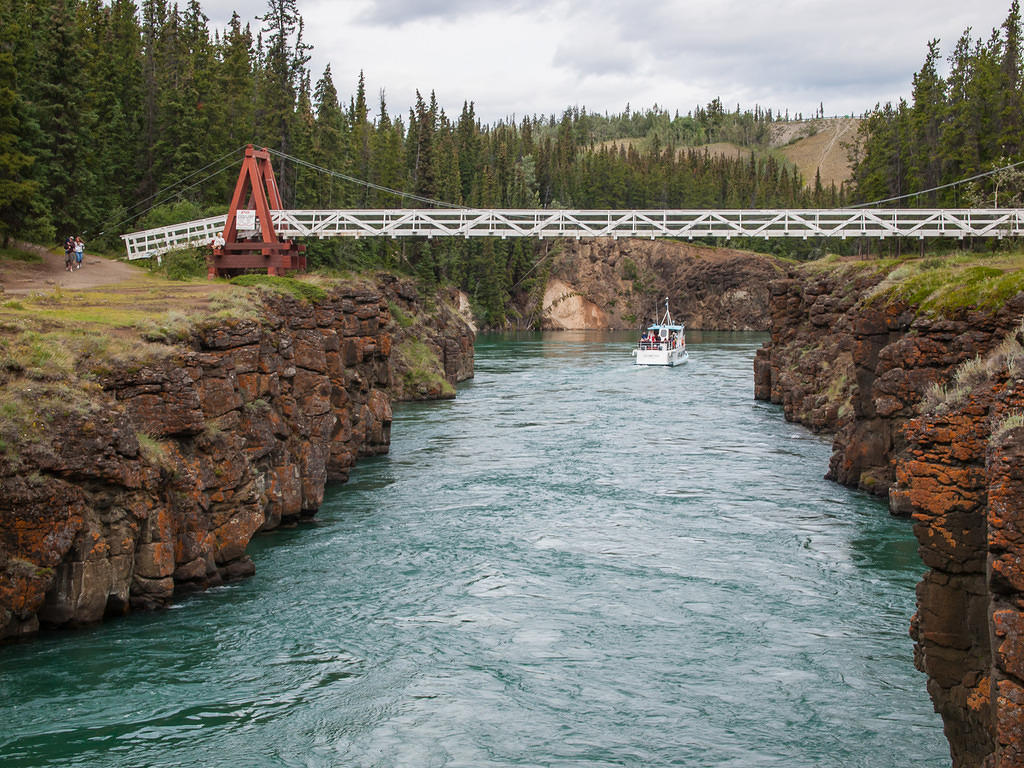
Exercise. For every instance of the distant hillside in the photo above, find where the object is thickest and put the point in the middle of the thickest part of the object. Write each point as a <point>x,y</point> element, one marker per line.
<point>724,148</point>
<point>818,145</point>
<point>810,145</point>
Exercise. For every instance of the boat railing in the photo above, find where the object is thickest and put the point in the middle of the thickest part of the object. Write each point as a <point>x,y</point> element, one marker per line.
<point>661,345</point>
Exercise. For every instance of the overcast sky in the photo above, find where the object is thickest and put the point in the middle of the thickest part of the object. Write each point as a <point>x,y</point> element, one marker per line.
<point>518,57</point>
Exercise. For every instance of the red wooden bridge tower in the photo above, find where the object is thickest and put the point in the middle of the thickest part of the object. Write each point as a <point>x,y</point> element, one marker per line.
<point>249,240</point>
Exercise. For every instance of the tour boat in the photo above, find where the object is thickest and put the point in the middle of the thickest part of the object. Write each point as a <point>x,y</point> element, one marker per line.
<point>663,343</point>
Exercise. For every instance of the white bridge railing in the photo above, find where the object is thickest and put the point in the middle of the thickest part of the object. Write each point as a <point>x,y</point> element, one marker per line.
<point>685,224</point>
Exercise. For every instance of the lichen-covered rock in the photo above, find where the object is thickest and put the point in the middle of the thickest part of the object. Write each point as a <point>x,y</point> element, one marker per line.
<point>157,483</point>
<point>862,369</point>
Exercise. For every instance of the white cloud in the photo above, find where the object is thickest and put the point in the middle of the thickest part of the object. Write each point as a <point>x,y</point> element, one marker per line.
<point>525,56</point>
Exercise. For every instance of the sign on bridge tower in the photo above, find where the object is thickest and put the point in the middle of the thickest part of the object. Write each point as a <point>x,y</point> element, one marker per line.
<point>249,240</point>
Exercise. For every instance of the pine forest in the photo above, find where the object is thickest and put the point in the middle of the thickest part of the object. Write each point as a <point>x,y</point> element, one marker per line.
<point>116,117</point>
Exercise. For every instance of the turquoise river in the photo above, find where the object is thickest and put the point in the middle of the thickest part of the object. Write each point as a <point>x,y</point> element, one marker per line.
<point>577,562</point>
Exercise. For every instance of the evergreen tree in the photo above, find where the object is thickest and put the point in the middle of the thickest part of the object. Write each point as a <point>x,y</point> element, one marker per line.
<point>19,201</point>
<point>387,169</point>
<point>328,142</point>
<point>362,130</point>
<point>927,117</point>
<point>66,119</point>
<point>278,82</point>
<point>420,151</point>
<point>232,106</point>
<point>1011,139</point>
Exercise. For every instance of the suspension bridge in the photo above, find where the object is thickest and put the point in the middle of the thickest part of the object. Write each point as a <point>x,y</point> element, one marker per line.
<point>257,232</point>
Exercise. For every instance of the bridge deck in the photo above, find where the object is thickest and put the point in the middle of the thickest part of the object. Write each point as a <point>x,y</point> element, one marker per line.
<point>685,224</point>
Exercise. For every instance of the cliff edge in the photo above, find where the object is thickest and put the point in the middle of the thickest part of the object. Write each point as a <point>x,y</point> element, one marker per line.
<point>918,369</point>
<point>126,479</point>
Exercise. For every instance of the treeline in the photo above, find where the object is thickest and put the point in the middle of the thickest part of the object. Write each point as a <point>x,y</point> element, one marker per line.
<point>108,108</point>
<point>704,125</point>
<point>967,123</point>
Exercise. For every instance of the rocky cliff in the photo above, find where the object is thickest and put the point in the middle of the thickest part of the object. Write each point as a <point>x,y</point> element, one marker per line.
<point>137,479</point>
<point>927,410</point>
<point>604,283</point>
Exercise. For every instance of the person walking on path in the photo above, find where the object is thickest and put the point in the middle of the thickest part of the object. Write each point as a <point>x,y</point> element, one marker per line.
<point>79,252</point>
<point>69,253</point>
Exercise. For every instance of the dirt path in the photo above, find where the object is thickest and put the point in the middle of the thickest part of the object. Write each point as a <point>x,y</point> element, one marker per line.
<point>18,278</point>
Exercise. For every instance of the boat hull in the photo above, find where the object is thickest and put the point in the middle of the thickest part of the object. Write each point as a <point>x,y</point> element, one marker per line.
<point>669,357</point>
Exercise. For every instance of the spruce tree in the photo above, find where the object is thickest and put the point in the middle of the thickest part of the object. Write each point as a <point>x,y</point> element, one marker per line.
<point>278,81</point>
<point>20,201</point>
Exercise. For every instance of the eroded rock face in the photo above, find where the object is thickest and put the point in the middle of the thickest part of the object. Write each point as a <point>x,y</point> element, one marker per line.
<point>841,362</point>
<point>963,481</point>
<point>603,283</point>
<point>448,338</point>
<point>158,487</point>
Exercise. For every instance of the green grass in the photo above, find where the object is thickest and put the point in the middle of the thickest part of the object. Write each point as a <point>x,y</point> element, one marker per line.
<point>424,368</point>
<point>946,285</point>
<point>402,320</point>
<point>288,285</point>
<point>16,254</point>
<point>36,355</point>
<point>110,317</point>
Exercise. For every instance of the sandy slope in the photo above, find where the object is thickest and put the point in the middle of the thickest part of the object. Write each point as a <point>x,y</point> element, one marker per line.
<point>824,150</point>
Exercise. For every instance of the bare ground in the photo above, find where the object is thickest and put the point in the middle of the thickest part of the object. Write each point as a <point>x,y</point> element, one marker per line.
<point>19,278</point>
<point>824,150</point>
<point>116,295</point>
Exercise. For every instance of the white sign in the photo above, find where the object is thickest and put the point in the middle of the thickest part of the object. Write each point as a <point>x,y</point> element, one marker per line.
<point>245,218</point>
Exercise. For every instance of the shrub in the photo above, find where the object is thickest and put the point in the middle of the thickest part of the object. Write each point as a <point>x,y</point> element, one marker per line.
<point>402,320</point>
<point>181,265</point>
<point>1011,420</point>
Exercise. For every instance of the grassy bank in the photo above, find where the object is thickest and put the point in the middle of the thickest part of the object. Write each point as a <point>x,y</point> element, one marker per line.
<point>56,347</point>
<point>938,285</point>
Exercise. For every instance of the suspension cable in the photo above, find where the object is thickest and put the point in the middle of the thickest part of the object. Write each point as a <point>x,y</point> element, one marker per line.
<point>977,176</point>
<point>170,191</point>
<point>229,153</point>
<point>401,195</point>
<point>368,184</point>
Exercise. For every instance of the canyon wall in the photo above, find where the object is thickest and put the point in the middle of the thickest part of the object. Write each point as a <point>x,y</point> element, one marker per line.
<point>150,480</point>
<point>601,283</point>
<point>925,411</point>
